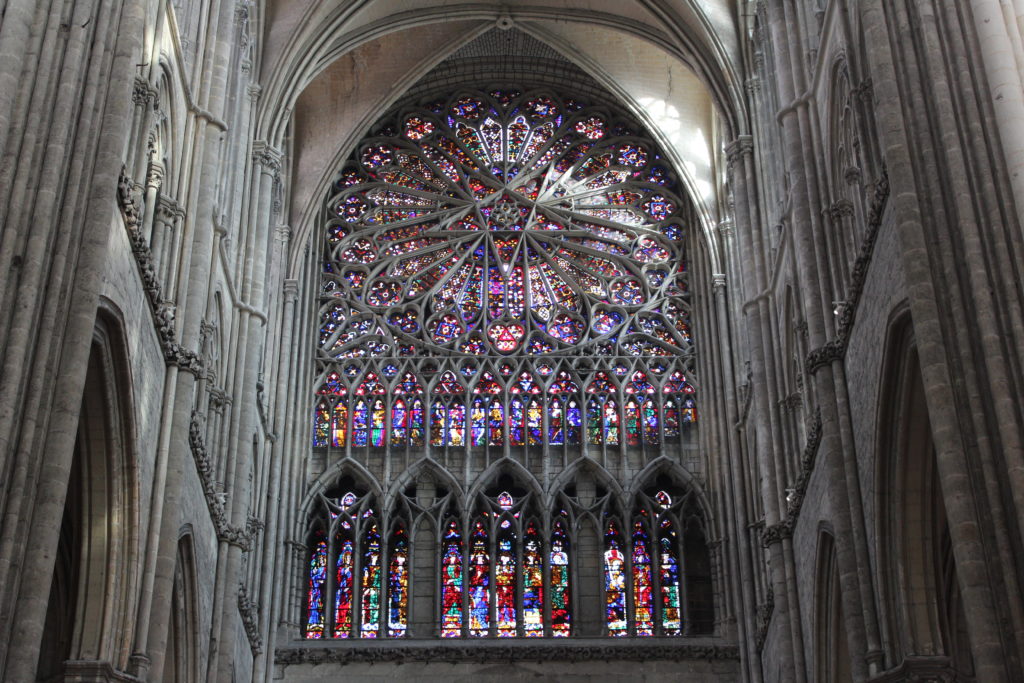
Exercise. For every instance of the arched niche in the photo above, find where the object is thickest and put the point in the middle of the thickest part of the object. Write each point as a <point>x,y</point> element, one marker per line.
<point>89,620</point>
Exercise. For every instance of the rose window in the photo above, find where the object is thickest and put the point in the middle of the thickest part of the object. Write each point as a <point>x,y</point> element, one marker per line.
<point>505,223</point>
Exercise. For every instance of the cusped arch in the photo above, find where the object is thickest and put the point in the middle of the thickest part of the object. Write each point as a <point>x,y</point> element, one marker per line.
<point>414,472</point>
<point>330,476</point>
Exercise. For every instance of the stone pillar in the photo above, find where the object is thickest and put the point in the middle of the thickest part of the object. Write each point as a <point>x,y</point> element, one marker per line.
<point>273,550</point>
<point>82,110</point>
<point>154,178</point>
<point>425,569</point>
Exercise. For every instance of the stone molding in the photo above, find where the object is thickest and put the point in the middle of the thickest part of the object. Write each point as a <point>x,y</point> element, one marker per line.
<point>921,669</point>
<point>764,619</point>
<point>248,610</point>
<point>236,536</point>
<point>94,670</point>
<point>794,502</point>
<point>483,651</point>
<point>163,312</point>
<point>835,350</point>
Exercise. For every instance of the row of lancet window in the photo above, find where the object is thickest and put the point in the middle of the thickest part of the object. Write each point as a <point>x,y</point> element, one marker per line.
<point>492,416</point>
<point>503,575</point>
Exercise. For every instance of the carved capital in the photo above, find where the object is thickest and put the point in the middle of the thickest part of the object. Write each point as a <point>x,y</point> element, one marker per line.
<point>154,175</point>
<point>290,289</point>
<point>738,149</point>
<point>840,209</point>
<point>830,352</point>
<point>267,157</point>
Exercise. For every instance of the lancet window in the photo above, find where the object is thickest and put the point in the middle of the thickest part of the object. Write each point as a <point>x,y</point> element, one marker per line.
<point>506,567</point>
<point>358,574</point>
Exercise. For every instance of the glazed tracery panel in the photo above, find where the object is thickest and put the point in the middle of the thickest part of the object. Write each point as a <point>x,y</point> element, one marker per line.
<point>504,224</point>
<point>504,277</point>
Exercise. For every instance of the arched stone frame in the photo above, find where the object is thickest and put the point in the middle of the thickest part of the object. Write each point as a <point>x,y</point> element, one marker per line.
<point>692,514</point>
<point>831,663</point>
<point>182,663</point>
<point>921,609</point>
<point>101,515</point>
<point>846,178</point>
<point>308,67</point>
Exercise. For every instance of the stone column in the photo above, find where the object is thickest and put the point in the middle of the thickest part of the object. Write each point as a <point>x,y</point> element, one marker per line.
<point>91,96</point>
<point>154,178</point>
<point>273,549</point>
<point>425,568</point>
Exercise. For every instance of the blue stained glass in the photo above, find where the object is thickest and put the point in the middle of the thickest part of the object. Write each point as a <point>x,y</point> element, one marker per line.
<point>668,572</point>
<point>478,414</point>
<point>643,586</point>
<point>479,582</point>
<point>343,585</point>
<point>614,582</point>
<point>360,423</point>
<point>574,421</point>
<point>321,425</point>
<point>515,421</point>
<point>315,591</point>
<point>398,585</point>
<point>399,417</point>
<point>451,583</point>
<point>561,618</point>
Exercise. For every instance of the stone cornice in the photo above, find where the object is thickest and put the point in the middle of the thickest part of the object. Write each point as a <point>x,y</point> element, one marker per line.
<point>236,536</point>
<point>783,529</point>
<point>764,619</point>
<point>835,350</point>
<point>163,312</point>
<point>248,611</point>
<point>561,650</point>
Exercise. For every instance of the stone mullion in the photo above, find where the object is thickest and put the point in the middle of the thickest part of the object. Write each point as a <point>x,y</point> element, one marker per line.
<point>958,480</point>
<point>103,48</point>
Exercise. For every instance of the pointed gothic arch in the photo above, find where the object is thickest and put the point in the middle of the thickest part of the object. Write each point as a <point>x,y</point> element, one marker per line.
<point>97,557</point>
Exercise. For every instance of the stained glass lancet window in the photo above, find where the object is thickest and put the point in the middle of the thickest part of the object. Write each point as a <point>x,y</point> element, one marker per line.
<point>347,601</point>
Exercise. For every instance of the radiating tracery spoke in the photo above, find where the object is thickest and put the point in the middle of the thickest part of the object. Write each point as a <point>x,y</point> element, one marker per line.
<point>508,223</point>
